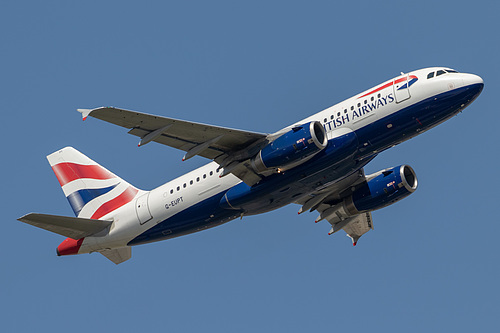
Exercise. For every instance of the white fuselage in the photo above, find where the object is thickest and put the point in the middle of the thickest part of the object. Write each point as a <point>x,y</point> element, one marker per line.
<point>352,115</point>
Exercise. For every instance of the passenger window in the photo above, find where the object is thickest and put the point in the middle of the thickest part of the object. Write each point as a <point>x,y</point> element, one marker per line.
<point>211,173</point>
<point>172,191</point>
<point>359,104</point>
<point>352,107</point>
<point>338,114</point>
<point>440,72</point>
<point>378,96</point>
<point>190,182</point>
<point>372,98</point>
<point>325,120</point>
<point>178,188</point>
<point>345,110</point>
<point>204,176</point>
<point>331,117</point>
<point>184,185</point>
<point>197,179</point>
<point>430,75</point>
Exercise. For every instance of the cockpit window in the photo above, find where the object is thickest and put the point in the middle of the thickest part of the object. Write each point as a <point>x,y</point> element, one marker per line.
<point>441,72</point>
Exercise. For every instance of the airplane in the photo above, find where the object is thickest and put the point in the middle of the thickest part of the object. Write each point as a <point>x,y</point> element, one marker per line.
<point>317,163</point>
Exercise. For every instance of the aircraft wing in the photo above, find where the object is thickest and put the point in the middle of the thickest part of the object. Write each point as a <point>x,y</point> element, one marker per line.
<point>326,198</point>
<point>357,226</point>
<point>230,148</point>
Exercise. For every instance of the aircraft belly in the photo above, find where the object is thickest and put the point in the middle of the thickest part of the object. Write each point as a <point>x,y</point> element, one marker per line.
<point>203,215</point>
<point>209,213</point>
<point>290,194</point>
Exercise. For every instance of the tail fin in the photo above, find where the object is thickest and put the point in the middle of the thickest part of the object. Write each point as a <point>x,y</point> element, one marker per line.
<point>92,191</point>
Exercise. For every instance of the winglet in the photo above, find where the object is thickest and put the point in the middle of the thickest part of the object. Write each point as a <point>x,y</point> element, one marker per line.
<point>85,113</point>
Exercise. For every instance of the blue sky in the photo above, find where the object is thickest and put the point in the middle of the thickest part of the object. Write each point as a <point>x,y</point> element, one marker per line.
<point>430,264</point>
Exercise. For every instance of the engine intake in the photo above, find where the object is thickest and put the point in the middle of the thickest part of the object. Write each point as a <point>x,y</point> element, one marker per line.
<point>292,148</point>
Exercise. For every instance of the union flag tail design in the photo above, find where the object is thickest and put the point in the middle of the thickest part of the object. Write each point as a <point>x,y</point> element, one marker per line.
<point>92,191</point>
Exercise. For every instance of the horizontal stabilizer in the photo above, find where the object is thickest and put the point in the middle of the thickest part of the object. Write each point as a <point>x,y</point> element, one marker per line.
<point>72,227</point>
<point>118,255</point>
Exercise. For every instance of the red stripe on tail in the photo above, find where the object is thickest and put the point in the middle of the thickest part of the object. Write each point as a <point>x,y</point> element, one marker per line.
<point>116,203</point>
<point>67,172</point>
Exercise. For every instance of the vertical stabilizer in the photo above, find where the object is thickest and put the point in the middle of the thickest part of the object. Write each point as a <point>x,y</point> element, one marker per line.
<point>92,190</point>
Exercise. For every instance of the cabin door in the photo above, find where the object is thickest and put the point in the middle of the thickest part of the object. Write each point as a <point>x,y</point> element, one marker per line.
<point>142,209</point>
<point>401,88</point>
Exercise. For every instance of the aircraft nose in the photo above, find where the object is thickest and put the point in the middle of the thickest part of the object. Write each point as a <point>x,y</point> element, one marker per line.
<point>472,79</point>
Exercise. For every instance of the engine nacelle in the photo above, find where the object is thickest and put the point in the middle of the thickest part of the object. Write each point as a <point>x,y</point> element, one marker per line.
<point>292,148</point>
<point>385,188</point>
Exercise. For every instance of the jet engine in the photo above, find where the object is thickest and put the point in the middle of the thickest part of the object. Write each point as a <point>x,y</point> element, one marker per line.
<point>292,148</point>
<point>380,190</point>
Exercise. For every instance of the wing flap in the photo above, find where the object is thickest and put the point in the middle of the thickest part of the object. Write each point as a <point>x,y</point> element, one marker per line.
<point>72,227</point>
<point>330,193</point>
<point>358,226</point>
<point>244,172</point>
<point>168,139</point>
